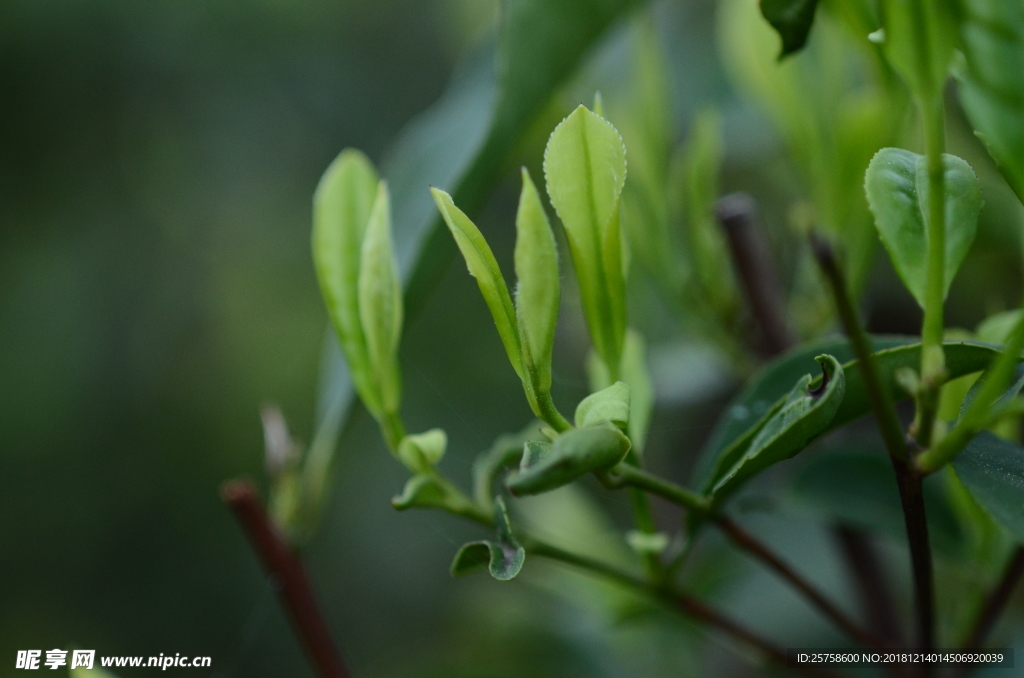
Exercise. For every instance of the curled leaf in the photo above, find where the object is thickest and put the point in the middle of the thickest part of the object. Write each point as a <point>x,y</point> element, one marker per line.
<point>504,558</point>
<point>804,415</point>
<point>573,454</point>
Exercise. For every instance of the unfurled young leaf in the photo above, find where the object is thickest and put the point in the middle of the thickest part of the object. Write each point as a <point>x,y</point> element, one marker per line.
<point>537,285</point>
<point>991,80</point>
<point>484,267</point>
<point>341,212</point>
<point>573,454</point>
<point>423,450</point>
<point>792,19</point>
<point>897,188</point>
<point>609,404</point>
<point>804,415</point>
<point>585,169</point>
<point>380,301</point>
<point>504,558</point>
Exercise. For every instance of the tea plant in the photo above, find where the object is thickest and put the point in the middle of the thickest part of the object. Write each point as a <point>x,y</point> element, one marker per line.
<point>923,207</point>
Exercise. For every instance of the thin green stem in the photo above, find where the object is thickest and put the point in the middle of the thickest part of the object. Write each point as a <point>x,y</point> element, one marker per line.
<point>933,367</point>
<point>626,475</point>
<point>393,429</point>
<point>547,411</point>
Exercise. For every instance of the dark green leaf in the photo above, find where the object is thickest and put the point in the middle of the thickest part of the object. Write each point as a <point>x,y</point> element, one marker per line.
<point>573,454</point>
<point>857,488</point>
<point>504,558</point>
<point>897,188</point>
<point>993,470</point>
<point>992,81</point>
<point>792,19</point>
<point>505,453</point>
<point>804,415</point>
<point>471,558</point>
<point>1015,386</point>
<point>742,418</point>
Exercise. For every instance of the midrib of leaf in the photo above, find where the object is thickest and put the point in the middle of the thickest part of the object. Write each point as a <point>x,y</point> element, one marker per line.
<point>597,251</point>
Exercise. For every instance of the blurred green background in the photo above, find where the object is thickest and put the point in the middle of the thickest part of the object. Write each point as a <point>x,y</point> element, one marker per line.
<point>157,161</point>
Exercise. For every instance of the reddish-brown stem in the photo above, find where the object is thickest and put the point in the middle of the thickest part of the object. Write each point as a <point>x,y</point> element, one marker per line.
<point>711,617</point>
<point>752,545</point>
<point>288,575</point>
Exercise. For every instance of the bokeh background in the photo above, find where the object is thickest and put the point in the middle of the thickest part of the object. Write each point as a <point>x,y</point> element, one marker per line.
<point>157,161</point>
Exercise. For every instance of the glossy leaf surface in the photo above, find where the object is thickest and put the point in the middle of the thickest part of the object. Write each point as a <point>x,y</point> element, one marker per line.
<point>992,469</point>
<point>897,188</point>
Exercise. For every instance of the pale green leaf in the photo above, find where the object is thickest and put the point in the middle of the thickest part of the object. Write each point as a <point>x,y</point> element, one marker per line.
<point>484,267</point>
<point>380,302</point>
<point>609,404</point>
<point>585,169</point>
<point>996,329</point>
<point>422,450</point>
<point>897,188</point>
<point>341,212</point>
<point>537,285</point>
